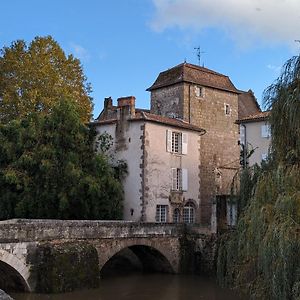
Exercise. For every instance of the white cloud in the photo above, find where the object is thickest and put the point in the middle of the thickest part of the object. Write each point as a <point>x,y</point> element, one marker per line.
<point>245,20</point>
<point>80,52</point>
<point>276,69</point>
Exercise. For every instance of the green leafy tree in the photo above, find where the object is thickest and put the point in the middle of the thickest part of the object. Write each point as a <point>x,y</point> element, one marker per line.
<point>49,169</point>
<point>283,98</point>
<point>33,78</point>
<point>262,255</point>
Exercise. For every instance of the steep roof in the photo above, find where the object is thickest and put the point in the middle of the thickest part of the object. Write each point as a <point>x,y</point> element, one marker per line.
<point>261,116</point>
<point>193,74</point>
<point>247,104</point>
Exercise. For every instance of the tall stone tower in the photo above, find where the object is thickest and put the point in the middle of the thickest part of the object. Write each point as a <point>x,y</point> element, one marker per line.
<point>209,100</point>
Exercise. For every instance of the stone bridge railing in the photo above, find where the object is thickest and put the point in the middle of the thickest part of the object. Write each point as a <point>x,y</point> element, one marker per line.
<point>23,230</point>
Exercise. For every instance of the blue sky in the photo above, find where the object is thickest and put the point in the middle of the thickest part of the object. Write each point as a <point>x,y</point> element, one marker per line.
<point>124,44</point>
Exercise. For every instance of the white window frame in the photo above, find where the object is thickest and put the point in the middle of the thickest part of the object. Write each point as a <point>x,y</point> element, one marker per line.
<point>177,142</point>
<point>161,215</point>
<point>179,179</point>
<point>199,91</point>
<point>189,213</point>
<point>264,156</point>
<point>242,134</point>
<point>265,131</point>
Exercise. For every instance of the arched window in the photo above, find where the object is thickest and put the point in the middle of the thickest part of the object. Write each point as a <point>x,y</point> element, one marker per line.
<point>189,213</point>
<point>176,215</point>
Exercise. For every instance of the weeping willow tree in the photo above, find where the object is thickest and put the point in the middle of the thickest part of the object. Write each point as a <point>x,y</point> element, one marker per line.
<point>262,257</point>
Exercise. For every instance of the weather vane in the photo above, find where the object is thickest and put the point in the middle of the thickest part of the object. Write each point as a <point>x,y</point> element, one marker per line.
<point>199,52</point>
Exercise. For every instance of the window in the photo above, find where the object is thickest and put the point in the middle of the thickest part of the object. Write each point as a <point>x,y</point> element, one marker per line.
<point>161,213</point>
<point>242,134</point>
<point>265,131</point>
<point>227,109</point>
<point>264,156</point>
<point>199,91</point>
<point>189,213</point>
<point>179,179</point>
<point>172,115</point>
<point>231,214</point>
<point>177,142</point>
<point>176,215</point>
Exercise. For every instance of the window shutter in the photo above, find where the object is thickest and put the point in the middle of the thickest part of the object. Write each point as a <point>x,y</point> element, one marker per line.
<point>184,143</point>
<point>184,180</point>
<point>242,135</point>
<point>265,131</point>
<point>174,178</point>
<point>169,140</point>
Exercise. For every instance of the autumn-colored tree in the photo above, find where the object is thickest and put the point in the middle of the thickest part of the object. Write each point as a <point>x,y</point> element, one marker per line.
<point>33,78</point>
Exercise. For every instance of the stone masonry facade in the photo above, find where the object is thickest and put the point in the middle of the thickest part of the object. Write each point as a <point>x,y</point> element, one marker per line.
<point>214,108</point>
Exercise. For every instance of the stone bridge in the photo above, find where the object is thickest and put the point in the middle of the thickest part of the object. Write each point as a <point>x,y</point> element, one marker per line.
<point>172,248</point>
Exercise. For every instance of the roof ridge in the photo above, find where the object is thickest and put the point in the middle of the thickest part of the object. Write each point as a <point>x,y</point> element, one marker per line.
<point>204,69</point>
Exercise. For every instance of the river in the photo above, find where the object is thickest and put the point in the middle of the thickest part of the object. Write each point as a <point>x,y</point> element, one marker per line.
<point>145,287</point>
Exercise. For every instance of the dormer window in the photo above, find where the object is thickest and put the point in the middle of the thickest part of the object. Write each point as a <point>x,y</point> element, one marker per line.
<point>199,91</point>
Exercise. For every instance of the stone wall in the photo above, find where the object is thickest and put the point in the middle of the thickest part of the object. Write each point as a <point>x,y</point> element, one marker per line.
<point>219,146</point>
<point>219,150</point>
<point>68,250</point>
<point>65,266</point>
<point>168,101</point>
<point>158,164</point>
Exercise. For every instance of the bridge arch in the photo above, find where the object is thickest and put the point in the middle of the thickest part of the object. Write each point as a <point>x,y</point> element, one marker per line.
<point>152,255</point>
<point>14,273</point>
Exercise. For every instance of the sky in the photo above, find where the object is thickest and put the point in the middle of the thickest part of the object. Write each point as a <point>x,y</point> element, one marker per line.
<point>124,44</point>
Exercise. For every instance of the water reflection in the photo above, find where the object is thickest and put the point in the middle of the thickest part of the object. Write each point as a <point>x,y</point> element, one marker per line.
<point>146,287</point>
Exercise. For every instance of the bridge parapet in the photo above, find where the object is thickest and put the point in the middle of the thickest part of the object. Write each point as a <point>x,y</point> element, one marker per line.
<point>25,230</point>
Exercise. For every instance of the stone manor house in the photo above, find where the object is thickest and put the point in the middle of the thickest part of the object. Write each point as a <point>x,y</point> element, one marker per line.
<point>183,153</point>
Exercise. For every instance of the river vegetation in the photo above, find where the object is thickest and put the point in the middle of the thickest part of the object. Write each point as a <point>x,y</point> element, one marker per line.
<point>261,257</point>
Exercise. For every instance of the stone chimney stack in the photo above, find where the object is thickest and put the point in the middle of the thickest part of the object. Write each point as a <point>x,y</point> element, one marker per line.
<point>108,103</point>
<point>107,109</point>
<point>127,104</point>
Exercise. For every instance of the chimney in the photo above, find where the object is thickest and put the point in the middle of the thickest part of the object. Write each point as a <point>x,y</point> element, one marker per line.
<point>106,113</point>
<point>107,103</point>
<point>127,104</point>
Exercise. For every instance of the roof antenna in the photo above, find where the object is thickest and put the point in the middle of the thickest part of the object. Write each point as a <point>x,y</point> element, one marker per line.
<point>199,52</point>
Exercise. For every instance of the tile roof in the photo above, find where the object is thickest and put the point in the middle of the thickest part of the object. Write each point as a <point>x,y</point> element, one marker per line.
<point>166,121</point>
<point>193,74</point>
<point>143,115</point>
<point>261,116</point>
<point>113,113</point>
<point>247,104</point>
